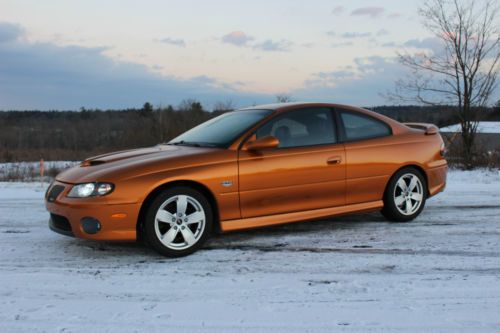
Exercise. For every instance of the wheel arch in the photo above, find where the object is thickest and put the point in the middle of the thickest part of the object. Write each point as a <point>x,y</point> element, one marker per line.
<point>187,183</point>
<point>418,167</point>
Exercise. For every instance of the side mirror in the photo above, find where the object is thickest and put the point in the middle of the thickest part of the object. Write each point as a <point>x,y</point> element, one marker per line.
<point>267,142</point>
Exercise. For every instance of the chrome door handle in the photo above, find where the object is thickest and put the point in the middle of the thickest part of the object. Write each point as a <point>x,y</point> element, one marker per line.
<point>334,160</point>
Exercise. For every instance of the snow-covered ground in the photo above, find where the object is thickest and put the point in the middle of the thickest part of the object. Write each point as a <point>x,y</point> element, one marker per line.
<point>356,274</point>
<point>30,171</point>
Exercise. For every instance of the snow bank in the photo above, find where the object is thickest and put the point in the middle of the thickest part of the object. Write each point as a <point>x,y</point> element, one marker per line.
<point>30,171</point>
<point>483,127</point>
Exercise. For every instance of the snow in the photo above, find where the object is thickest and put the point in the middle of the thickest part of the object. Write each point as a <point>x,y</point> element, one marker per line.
<point>356,273</point>
<point>483,127</point>
<point>30,171</point>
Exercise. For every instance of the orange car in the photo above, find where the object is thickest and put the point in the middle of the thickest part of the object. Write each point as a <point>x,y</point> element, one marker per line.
<point>254,167</point>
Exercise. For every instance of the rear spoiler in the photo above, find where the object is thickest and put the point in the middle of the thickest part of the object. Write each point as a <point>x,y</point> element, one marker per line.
<point>429,129</point>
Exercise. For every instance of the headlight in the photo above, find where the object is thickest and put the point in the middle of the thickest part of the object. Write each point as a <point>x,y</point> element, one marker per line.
<point>90,190</point>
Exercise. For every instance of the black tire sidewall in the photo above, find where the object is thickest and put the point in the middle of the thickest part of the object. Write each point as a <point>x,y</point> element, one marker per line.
<point>149,223</point>
<point>390,211</point>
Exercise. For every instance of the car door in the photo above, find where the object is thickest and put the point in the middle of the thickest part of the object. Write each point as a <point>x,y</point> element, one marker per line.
<point>368,146</point>
<point>306,171</point>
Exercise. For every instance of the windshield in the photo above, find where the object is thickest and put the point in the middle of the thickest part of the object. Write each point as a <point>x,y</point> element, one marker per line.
<point>221,131</point>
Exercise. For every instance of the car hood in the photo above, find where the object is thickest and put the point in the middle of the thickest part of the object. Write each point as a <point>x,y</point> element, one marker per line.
<point>124,164</point>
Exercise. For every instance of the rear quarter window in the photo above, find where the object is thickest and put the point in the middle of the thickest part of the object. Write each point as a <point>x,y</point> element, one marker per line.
<point>359,126</point>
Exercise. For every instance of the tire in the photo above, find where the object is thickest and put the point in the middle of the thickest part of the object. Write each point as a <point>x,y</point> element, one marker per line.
<point>405,195</point>
<point>178,221</point>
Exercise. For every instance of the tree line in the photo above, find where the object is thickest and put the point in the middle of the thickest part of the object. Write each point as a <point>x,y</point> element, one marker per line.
<point>70,135</point>
<point>75,135</point>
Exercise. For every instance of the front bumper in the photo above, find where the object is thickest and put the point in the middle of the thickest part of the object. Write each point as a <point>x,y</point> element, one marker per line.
<point>117,221</point>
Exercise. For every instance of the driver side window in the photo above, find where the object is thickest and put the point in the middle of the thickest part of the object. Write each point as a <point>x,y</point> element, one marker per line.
<point>299,128</point>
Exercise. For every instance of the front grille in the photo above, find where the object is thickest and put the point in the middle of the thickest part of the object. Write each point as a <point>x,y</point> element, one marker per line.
<point>54,192</point>
<point>60,224</point>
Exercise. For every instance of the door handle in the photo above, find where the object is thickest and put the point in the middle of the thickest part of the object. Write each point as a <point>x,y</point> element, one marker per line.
<point>334,160</point>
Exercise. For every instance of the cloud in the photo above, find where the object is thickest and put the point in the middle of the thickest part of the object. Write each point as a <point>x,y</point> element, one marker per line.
<point>342,44</point>
<point>238,38</point>
<point>334,75</point>
<point>361,84</point>
<point>10,32</point>
<point>382,32</point>
<point>390,44</point>
<point>372,11</point>
<point>274,46</point>
<point>173,41</point>
<point>372,64</point>
<point>338,10</point>
<point>394,15</point>
<point>362,66</point>
<point>430,43</point>
<point>49,76</point>
<point>351,35</point>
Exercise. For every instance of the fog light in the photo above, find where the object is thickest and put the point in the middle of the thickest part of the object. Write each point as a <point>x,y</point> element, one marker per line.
<point>90,225</point>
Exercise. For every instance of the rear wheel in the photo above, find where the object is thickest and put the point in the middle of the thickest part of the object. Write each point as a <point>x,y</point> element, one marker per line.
<point>405,196</point>
<point>178,221</point>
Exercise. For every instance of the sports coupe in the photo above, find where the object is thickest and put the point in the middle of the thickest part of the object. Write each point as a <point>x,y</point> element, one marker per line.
<point>254,167</point>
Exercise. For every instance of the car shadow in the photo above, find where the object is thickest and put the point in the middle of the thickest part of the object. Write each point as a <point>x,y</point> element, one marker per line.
<point>312,226</point>
<point>230,241</point>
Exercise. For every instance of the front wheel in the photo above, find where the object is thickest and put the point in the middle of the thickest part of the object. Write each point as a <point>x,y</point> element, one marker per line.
<point>405,196</point>
<point>178,221</point>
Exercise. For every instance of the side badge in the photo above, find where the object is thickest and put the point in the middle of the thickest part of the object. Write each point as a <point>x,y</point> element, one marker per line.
<point>227,183</point>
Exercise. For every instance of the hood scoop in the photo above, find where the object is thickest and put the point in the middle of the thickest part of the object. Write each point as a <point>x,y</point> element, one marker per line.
<point>88,163</point>
<point>120,155</point>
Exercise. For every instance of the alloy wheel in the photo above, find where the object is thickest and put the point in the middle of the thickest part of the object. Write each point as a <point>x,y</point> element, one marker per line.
<point>180,222</point>
<point>408,194</point>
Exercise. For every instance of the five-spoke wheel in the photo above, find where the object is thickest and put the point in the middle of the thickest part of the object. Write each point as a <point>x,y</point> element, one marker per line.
<point>178,221</point>
<point>408,194</point>
<point>405,195</point>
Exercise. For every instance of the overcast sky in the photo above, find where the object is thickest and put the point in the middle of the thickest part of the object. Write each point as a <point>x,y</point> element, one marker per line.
<point>60,54</point>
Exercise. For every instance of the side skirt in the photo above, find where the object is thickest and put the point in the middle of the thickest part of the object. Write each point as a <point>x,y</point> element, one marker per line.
<point>262,221</point>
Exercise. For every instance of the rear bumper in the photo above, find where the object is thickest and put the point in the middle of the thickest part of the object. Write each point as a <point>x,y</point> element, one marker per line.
<point>436,177</point>
<point>117,222</point>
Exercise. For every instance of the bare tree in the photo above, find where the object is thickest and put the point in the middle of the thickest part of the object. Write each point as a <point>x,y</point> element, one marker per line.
<point>463,71</point>
<point>190,104</point>
<point>227,105</point>
<point>283,98</point>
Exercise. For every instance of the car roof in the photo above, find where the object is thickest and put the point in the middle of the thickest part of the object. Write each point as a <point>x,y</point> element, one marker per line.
<point>293,105</point>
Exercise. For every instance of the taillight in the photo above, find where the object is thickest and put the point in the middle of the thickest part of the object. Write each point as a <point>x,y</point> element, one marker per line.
<point>442,150</point>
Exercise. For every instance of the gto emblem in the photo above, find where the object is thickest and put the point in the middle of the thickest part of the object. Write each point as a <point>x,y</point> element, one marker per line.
<point>227,183</point>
